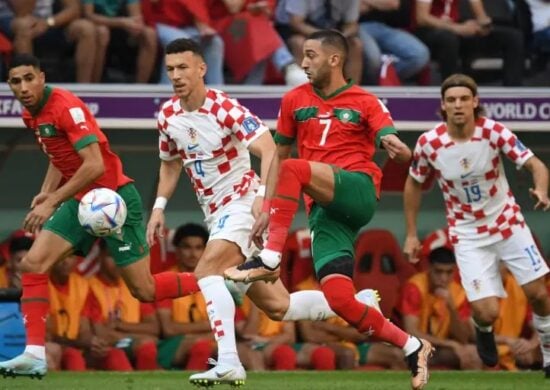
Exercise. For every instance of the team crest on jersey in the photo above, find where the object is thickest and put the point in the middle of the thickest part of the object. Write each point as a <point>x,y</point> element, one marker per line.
<point>465,164</point>
<point>193,140</point>
<point>251,124</point>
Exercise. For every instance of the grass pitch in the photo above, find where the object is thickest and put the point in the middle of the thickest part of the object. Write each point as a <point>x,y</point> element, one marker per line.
<point>296,380</point>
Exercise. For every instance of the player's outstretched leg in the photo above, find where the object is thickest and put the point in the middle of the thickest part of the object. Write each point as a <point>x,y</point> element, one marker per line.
<point>24,365</point>
<point>219,374</point>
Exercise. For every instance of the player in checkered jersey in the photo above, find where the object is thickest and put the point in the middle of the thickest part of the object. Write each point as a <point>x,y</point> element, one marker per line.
<point>213,136</point>
<point>485,222</point>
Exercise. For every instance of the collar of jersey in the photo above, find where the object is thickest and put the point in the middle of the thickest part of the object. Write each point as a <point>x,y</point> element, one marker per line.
<point>47,92</point>
<point>339,90</point>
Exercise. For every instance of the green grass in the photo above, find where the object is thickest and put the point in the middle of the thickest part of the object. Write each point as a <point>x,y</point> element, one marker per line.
<point>299,380</point>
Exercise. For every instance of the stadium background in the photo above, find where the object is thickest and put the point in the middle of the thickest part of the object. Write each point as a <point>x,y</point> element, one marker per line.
<point>126,113</point>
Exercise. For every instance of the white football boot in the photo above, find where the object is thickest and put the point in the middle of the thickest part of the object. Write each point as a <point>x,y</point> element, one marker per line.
<point>24,365</point>
<point>234,376</point>
<point>369,297</point>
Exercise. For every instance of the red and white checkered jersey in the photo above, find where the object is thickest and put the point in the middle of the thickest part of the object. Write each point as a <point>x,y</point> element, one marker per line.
<point>212,142</point>
<point>480,207</point>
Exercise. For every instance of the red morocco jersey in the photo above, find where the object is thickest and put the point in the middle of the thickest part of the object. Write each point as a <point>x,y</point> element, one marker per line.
<point>342,129</point>
<point>62,127</point>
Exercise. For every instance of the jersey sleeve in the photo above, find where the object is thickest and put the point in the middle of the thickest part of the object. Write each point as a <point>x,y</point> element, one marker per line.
<point>246,126</point>
<point>411,300</point>
<point>379,119</point>
<point>286,125</point>
<point>168,149</point>
<point>420,167</point>
<point>509,144</point>
<point>75,124</point>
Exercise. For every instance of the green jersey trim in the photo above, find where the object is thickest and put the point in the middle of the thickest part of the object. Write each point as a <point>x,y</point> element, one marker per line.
<point>47,92</point>
<point>347,115</point>
<point>305,113</point>
<point>282,140</point>
<point>339,90</point>
<point>384,131</point>
<point>85,141</point>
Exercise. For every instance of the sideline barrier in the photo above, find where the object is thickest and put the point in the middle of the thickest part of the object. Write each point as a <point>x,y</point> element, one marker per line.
<point>131,106</point>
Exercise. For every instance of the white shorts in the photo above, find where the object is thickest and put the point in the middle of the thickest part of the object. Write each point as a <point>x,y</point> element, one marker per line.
<point>479,267</point>
<point>233,223</point>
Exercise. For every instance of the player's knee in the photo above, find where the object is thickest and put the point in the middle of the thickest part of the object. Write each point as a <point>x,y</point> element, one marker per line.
<point>34,264</point>
<point>538,298</point>
<point>486,317</point>
<point>143,292</point>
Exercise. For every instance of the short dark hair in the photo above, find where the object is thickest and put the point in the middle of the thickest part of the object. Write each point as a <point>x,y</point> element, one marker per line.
<point>24,59</point>
<point>442,256</point>
<point>333,38</point>
<point>181,45</point>
<point>189,230</point>
<point>17,244</point>
<point>461,80</point>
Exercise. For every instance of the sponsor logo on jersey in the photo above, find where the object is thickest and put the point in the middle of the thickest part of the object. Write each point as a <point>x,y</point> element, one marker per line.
<point>251,124</point>
<point>193,139</point>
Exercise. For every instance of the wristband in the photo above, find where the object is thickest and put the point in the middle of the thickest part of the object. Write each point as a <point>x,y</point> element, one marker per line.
<point>266,206</point>
<point>160,203</point>
<point>261,191</point>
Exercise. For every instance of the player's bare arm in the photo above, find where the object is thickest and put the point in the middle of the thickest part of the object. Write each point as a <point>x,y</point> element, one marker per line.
<point>397,150</point>
<point>89,171</point>
<point>281,154</point>
<point>263,148</point>
<point>50,184</point>
<point>412,196</point>
<point>540,179</point>
<point>169,175</point>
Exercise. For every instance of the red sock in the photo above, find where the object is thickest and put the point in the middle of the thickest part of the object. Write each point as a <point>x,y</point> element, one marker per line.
<point>174,285</point>
<point>116,360</point>
<point>198,355</point>
<point>284,358</point>
<point>146,356</point>
<point>72,360</point>
<point>35,306</point>
<point>323,358</point>
<point>340,294</point>
<point>293,175</point>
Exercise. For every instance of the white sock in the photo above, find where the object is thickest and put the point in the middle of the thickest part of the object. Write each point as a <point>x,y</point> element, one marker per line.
<point>221,313</point>
<point>484,329</point>
<point>38,351</point>
<point>411,345</point>
<point>308,305</point>
<point>270,258</point>
<point>542,325</point>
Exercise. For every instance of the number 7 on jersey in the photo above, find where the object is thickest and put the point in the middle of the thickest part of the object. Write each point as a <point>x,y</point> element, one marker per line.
<point>326,123</point>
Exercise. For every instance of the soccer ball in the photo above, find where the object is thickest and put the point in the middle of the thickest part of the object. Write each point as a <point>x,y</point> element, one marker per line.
<point>102,212</point>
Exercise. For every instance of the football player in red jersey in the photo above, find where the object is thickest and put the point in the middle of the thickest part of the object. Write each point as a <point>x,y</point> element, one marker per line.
<point>80,155</point>
<point>337,126</point>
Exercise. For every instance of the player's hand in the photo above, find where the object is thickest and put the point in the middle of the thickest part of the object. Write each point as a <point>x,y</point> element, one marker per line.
<point>41,197</point>
<point>155,227</point>
<point>99,347</point>
<point>397,150</point>
<point>39,214</point>
<point>411,249</point>
<point>541,197</point>
<point>257,232</point>
<point>522,346</point>
<point>257,206</point>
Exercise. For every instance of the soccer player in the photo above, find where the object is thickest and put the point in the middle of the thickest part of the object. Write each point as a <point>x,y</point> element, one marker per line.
<point>80,159</point>
<point>337,126</point>
<point>485,222</point>
<point>211,136</point>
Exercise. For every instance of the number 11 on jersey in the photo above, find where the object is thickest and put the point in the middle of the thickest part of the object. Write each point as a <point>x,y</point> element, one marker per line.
<point>326,123</point>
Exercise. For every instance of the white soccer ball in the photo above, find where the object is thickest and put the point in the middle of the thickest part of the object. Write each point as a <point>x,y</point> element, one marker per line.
<point>102,212</point>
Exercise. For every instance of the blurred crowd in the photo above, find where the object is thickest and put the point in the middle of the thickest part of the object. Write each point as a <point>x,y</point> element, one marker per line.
<point>95,323</point>
<point>253,42</point>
